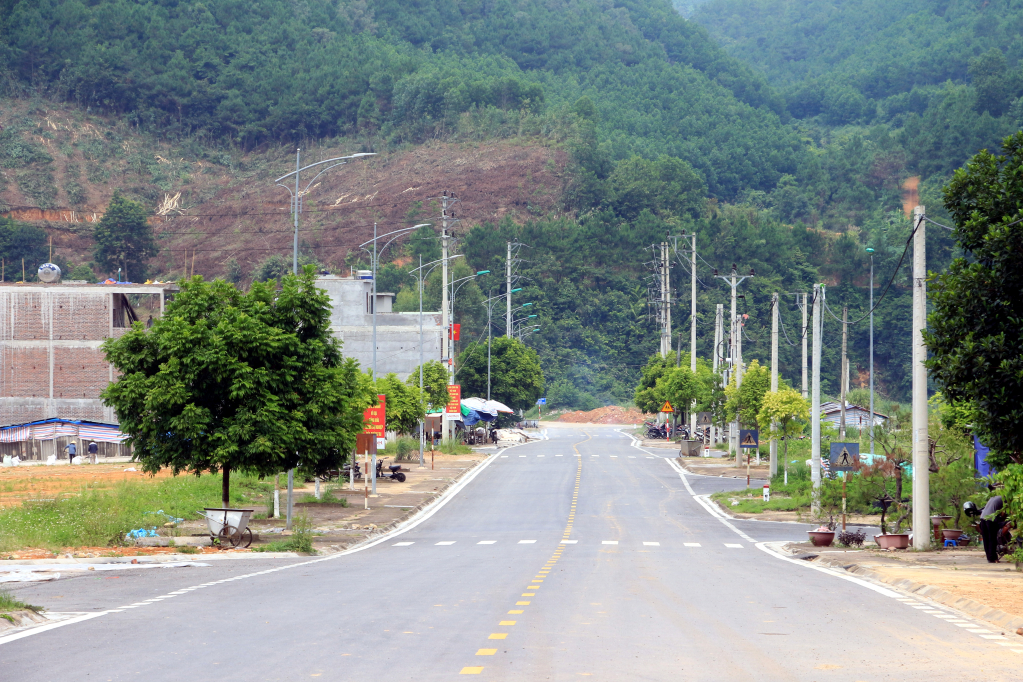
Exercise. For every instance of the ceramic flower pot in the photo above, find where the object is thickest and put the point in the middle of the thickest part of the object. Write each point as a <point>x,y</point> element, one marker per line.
<point>821,538</point>
<point>893,541</point>
<point>951,533</point>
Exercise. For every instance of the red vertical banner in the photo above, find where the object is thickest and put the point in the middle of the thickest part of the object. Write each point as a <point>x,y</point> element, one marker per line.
<point>454,399</point>
<point>375,418</point>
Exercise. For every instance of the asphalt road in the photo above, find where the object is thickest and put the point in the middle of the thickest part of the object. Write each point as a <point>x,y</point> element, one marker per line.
<point>579,556</point>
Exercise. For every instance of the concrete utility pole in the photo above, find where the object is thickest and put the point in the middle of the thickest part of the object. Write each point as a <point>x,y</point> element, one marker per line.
<point>719,334</point>
<point>815,404</point>
<point>774,374</point>
<point>804,348</point>
<point>692,335</point>
<point>921,454</point>
<point>735,351</point>
<point>445,321</point>
<point>508,283</point>
<point>871,252</point>
<point>422,386</point>
<point>665,303</point>
<point>845,371</point>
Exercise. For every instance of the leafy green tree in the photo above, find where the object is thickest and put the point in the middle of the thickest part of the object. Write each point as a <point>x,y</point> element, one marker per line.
<point>227,381</point>
<point>784,413</point>
<point>435,380</point>
<point>516,378</point>
<point>749,398</point>
<point>649,395</point>
<point>667,187</point>
<point>405,406</point>
<point>973,329</point>
<point>680,386</point>
<point>124,238</point>
<point>81,272</point>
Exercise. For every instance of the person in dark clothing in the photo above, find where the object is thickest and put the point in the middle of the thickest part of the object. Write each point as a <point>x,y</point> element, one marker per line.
<point>991,521</point>
<point>93,451</point>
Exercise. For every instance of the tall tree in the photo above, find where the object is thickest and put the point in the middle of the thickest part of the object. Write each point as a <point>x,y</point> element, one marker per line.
<point>404,405</point>
<point>124,238</point>
<point>515,375</point>
<point>973,334</point>
<point>435,380</point>
<point>227,381</point>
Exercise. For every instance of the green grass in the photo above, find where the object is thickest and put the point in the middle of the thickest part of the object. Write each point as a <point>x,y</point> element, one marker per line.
<point>326,498</point>
<point>102,517</point>
<point>8,602</point>
<point>301,541</point>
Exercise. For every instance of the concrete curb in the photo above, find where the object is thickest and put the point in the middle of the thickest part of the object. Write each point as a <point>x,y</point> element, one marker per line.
<point>969,606</point>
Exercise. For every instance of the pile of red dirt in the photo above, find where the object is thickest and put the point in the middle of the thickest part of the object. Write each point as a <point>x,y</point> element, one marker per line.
<point>604,415</point>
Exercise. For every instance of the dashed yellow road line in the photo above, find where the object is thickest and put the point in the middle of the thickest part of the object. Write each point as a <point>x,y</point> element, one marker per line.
<point>542,573</point>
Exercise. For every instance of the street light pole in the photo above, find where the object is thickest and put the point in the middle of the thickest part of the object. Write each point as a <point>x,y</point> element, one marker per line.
<point>735,350</point>
<point>871,252</point>
<point>296,204</point>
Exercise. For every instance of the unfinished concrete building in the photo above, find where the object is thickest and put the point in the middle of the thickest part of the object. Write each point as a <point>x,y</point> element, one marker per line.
<point>398,342</point>
<point>51,364</point>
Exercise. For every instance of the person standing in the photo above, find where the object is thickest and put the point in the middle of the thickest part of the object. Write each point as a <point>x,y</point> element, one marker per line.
<point>93,450</point>
<point>991,521</point>
<point>72,450</point>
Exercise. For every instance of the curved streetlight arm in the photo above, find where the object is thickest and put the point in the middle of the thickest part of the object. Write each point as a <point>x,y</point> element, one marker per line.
<point>318,163</point>
<point>395,232</point>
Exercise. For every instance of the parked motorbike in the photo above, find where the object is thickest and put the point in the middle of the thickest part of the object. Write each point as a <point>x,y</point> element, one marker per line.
<point>395,472</point>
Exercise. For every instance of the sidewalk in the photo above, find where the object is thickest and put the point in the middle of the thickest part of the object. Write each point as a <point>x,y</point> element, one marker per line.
<point>960,578</point>
<point>715,465</point>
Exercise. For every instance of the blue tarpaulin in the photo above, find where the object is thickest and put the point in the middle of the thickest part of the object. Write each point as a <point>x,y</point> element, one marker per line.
<point>980,452</point>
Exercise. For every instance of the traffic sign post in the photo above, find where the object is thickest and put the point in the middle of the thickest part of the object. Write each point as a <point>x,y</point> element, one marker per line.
<point>666,407</point>
<point>844,457</point>
<point>749,438</point>
<point>539,412</point>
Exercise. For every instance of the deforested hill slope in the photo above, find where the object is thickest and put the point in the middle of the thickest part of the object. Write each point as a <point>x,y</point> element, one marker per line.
<point>382,72</point>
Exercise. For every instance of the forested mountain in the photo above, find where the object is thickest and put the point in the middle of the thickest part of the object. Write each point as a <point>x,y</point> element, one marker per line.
<point>945,72</point>
<point>780,132</point>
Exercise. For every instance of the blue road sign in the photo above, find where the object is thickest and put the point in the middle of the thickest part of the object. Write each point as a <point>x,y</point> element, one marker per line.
<point>844,456</point>
<point>541,401</point>
<point>749,438</point>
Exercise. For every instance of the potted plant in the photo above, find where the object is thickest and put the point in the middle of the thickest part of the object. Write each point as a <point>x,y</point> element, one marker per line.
<point>822,536</point>
<point>883,476</point>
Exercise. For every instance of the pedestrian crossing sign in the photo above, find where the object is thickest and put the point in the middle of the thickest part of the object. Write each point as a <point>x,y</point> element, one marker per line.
<point>749,438</point>
<point>666,407</point>
<point>844,456</point>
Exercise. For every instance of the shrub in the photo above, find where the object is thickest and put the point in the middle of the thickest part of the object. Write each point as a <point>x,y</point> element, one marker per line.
<point>852,538</point>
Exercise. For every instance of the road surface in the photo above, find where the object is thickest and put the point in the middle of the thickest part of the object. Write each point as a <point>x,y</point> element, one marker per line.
<point>581,556</point>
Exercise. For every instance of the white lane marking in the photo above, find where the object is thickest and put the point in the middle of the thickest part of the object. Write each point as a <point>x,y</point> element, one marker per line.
<point>504,455</point>
<point>609,542</point>
<point>768,548</point>
<point>539,455</point>
<point>568,542</point>
<point>993,636</point>
<point>521,455</point>
<point>691,544</point>
<point>632,456</point>
<point>402,544</point>
<point>732,546</point>
<point>526,542</point>
<point>651,457</point>
<point>594,455</point>
<point>559,455</point>
<point>403,527</point>
<point>578,455</point>
<point>652,544</point>
<point>447,542</point>
<point>486,542</point>
<point>43,628</point>
<point>614,456</point>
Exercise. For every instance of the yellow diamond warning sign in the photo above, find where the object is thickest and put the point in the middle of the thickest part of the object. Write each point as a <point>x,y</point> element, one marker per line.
<point>666,407</point>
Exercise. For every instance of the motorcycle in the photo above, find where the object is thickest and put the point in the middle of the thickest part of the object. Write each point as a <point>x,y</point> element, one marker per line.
<point>395,472</point>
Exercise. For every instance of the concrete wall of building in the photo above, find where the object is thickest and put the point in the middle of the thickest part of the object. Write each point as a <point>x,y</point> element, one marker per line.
<point>51,363</point>
<point>397,333</point>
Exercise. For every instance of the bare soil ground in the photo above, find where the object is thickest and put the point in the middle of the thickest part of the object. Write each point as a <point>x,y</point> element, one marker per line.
<point>612,414</point>
<point>21,483</point>
<point>221,205</point>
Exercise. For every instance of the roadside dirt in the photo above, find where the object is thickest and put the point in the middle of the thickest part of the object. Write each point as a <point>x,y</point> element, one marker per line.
<point>725,468</point>
<point>612,414</point>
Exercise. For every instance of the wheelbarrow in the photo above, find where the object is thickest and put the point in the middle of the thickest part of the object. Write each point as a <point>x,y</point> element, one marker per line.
<point>229,525</point>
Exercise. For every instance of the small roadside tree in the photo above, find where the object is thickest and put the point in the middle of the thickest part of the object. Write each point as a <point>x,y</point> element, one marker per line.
<point>124,238</point>
<point>404,405</point>
<point>785,413</point>
<point>516,378</point>
<point>748,399</point>
<point>435,380</point>
<point>648,397</point>
<point>227,381</point>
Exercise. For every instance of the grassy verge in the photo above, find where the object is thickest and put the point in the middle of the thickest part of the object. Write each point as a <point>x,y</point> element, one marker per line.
<point>102,517</point>
<point>301,541</point>
<point>8,603</point>
<point>327,497</point>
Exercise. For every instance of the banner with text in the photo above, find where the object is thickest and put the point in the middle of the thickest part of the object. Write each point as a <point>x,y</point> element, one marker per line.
<point>454,399</point>
<point>375,418</point>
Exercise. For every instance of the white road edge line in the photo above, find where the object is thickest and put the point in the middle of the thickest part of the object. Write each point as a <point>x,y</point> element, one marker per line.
<point>772,549</point>
<point>405,526</point>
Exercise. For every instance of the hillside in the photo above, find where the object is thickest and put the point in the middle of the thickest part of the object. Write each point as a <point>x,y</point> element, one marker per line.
<point>228,206</point>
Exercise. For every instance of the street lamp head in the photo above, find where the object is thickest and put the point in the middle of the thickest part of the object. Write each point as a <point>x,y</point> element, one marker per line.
<point>531,316</point>
<point>870,249</point>
<point>525,305</point>
<point>514,290</point>
<point>483,272</point>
